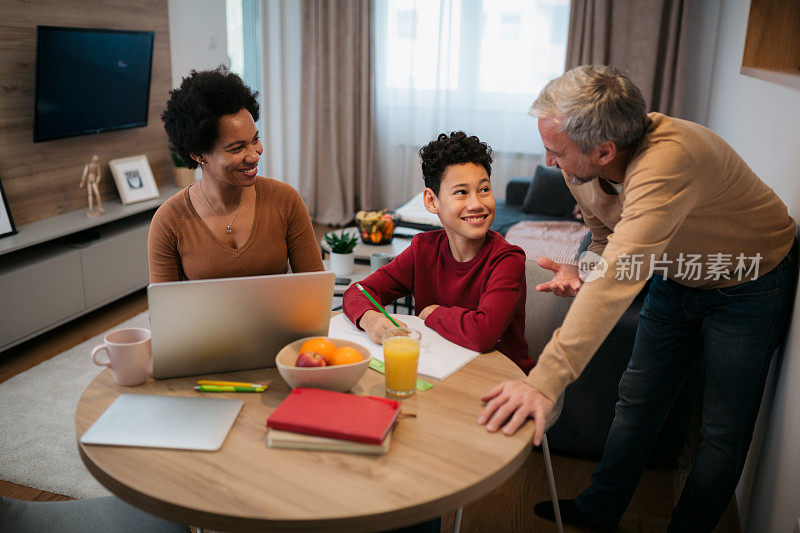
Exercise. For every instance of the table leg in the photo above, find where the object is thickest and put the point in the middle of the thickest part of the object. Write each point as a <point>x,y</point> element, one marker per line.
<point>457,520</point>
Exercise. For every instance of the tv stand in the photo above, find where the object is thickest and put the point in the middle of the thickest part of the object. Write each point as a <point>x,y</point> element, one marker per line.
<point>59,268</point>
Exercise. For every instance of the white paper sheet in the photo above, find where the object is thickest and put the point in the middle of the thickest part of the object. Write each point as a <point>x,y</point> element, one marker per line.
<point>438,357</point>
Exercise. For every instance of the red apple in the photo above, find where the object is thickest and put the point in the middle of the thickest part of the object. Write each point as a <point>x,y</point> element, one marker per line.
<point>310,359</point>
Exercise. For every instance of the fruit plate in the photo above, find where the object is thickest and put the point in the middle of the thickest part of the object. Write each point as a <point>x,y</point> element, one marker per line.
<point>340,378</point>
<point>376,227</point>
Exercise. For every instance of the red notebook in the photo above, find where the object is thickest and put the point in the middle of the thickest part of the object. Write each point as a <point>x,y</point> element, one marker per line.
<point>336,415</point>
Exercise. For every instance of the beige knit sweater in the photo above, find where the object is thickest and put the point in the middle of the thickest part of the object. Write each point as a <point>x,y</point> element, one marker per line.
<point>687,198</point>
<point>181,247</point>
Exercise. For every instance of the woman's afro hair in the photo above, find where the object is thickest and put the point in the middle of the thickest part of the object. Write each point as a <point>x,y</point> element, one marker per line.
<point>194,109</point>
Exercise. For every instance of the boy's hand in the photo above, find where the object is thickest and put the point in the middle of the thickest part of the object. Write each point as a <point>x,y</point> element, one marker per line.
<point>515,401</point>
<point>566,282</point>
<point>375,324</point>
<point>427,311</point>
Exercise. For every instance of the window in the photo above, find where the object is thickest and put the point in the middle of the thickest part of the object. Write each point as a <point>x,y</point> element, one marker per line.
<point>242,20</point>
<point>471,65</point>
<point>479,52</point>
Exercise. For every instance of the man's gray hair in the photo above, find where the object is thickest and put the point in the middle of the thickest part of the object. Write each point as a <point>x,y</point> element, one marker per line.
<point>595,104</point>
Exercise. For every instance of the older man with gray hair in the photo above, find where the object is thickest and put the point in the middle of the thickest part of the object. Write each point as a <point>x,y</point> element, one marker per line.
<point>668,199</point>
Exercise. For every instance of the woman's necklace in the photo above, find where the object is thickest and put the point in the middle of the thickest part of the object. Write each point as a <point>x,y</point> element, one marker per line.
<point>227,226</point>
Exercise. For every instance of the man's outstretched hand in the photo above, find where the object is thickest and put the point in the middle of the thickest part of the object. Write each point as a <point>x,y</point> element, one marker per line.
<point>515,401</point>
<point>566,282</point>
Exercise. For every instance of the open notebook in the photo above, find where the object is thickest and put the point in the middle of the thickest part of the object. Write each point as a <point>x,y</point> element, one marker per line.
<point>438,357</point>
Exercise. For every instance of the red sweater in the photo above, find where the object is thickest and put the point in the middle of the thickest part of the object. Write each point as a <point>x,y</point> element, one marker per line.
<point>483,299</point>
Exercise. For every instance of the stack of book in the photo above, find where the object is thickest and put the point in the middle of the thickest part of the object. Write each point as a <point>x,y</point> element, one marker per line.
<point>315,419</point>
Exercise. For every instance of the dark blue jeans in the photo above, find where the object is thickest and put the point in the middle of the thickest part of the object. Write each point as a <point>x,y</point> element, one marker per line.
<point>735,331</point>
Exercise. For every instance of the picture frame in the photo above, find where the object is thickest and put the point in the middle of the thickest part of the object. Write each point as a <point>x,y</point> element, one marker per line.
<point>134,179</point>
<point>7,227</point>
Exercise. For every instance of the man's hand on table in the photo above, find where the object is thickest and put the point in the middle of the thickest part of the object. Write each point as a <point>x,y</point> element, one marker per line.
<point>566,282</point>
<point>515,401</point>
<point>375,324</point>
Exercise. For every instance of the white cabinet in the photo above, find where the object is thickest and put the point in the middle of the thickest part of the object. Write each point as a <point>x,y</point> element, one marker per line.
<point>57,269</point>
<point>115,265</point>
<point>42,291</point>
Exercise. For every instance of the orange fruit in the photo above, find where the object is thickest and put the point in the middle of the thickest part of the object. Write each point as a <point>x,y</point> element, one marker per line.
<point>346,355</point>
<point>388,229</point>
<point>320,345</point>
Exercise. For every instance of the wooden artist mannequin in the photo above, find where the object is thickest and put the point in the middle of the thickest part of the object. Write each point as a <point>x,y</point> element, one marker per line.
<point>91,177</point>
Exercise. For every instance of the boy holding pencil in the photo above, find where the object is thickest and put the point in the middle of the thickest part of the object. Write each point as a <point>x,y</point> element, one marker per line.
<point>468,282</point>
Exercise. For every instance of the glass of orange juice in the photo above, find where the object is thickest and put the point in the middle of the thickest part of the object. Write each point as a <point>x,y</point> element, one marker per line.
<point>400,359</point>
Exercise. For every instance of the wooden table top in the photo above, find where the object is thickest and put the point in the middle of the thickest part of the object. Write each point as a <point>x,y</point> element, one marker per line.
<point>439,460</point>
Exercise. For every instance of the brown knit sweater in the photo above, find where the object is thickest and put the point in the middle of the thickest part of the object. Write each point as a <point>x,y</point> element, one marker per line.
<point>181,247</point>
<point>685,192</point>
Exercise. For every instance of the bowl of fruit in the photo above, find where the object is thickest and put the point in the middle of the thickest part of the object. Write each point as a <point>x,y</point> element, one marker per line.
<point>322,363</point>
<point>376,227</point>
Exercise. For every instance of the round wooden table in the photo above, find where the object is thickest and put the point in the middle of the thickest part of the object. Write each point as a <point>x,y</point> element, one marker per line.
<point>439,460</point>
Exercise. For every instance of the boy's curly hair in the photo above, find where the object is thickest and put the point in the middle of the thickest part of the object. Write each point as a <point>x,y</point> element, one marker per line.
<point>194,109</point>
<point>454,149</point>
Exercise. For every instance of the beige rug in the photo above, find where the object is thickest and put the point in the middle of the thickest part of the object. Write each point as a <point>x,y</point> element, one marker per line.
<point>38,445</point>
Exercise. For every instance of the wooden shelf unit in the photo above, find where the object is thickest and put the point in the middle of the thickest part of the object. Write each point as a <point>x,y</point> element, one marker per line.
<point>57,269</point>
<point>772,44</point>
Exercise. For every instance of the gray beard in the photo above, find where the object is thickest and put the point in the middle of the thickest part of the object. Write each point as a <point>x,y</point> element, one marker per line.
<point>580,180</point>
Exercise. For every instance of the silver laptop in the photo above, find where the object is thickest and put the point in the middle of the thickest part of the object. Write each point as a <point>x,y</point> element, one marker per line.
<point>165,422</point>
<point>222,325</point>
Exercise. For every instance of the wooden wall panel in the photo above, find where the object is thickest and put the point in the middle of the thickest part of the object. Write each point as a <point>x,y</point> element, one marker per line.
<point>773,35</point>
<point>41,180</point>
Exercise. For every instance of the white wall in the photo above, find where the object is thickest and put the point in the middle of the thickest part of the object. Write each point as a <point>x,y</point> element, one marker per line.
<point>761,120</point>
<point>197,36</point>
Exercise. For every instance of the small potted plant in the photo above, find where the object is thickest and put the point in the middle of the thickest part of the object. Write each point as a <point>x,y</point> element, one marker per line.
<point>182,175</point>
<point>341,248</point>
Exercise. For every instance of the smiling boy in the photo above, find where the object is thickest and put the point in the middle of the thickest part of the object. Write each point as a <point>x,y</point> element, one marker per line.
<point>468,282</point>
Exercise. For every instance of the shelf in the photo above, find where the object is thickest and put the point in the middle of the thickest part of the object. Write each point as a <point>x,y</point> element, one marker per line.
<point>772,42</point>
<point>77,221</point>
<point>789,77</point>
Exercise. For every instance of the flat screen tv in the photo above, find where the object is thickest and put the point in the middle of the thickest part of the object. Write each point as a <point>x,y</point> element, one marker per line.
<point>90,81</point>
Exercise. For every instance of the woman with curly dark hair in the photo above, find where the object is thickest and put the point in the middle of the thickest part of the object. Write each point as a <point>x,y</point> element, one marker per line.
<point>232,222</point>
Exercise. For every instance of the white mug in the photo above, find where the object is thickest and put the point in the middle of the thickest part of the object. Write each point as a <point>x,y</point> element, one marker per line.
<point>128,352</point>
<point>378,259</point>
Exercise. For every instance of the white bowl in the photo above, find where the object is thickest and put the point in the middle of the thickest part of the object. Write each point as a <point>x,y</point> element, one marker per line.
<point>340,378</point>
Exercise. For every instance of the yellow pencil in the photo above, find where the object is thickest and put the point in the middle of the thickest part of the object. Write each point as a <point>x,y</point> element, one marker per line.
<point>229,383</point>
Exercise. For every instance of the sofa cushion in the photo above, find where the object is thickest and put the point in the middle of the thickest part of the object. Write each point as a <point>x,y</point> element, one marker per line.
<point>557,240</point>
<point>516,189</point>
<point>548,195</point>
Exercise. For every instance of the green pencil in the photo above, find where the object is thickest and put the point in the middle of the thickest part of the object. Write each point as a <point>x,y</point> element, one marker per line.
<point>376,304</point>
<point>217,388</point>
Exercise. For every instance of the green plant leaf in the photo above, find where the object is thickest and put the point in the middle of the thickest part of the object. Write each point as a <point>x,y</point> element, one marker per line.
<point>343,243</point>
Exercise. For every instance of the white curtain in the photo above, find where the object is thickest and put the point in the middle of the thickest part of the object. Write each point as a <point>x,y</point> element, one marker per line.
<point>471,65</point>
<point>281,46</point>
